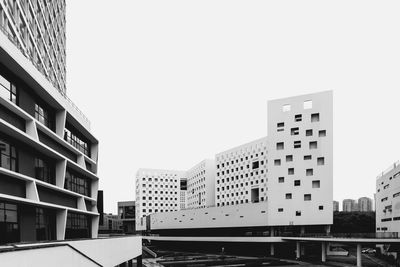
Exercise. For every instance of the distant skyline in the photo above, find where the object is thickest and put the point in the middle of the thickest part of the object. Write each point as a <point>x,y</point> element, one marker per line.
<point>179,81</point>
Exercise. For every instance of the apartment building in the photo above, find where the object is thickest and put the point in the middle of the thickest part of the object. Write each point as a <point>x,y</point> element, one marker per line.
<point>349,205</point>
<point>48,166</point>
<point>157,191</point>
<point>241,174</point>
<point>387,204</point>
<point>365,204</point>
<point>300,152</point>
<point>201,185</point>
<point>37,29</point>
<point>335,205</point>
<point>126,213</point>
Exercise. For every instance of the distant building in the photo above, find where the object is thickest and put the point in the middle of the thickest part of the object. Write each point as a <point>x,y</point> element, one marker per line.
<point>349,205</point>
<point>201,185</point>
<point>111,224</point>
<point>335,205</point>
<point>365,204</point>
<point>126,213</point>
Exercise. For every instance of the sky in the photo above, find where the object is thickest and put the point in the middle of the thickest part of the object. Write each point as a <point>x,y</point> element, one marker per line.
<point>166,84</point>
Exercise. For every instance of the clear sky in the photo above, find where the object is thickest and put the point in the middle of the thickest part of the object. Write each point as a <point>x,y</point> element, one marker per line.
<point>169,83</point>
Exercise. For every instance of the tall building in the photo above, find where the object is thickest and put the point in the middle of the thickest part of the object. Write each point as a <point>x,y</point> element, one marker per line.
<point>349,205</point>
<point>157,191</point>
<point>242,174</point>
<point>300,152</point>
<point>201,185</point>
<point>335,205</point>
<point>126,213</point>
<point>37,30</point>
<point>365,204</point>
<point>388,200</point>
<point>48,166</point>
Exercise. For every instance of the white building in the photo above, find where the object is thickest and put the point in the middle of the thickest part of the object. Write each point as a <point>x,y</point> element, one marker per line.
<point>242,174</point>
<point>201,185</point>
<point>300,151</point>
<point>387,204</point>
<point>365,204</point>
<point>157,191</point>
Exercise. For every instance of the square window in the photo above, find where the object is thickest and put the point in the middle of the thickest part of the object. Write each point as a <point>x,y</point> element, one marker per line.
<point>307,104</point>
<point>289,158</point>
<point>298,117</point>
<point>313,145</point>
<point>296,182</point>
<point>309,132</point>
<point>277,162</point>
<point>298,213</point>
<point>316,184</point>
<point>309,172</point>
<point>281,179</point>
<point>307,157</point>
<point>279,146</point>
<point>288,196</point>
<point>315,117</point>
<point>320,207</point>
<point>297,144</point>
<point>286,108</point>
<point>322,133</point>
<point>290,171</point>
<point>294,131</point>
<point>280,210</point>
<point>307,197</point>
<point>321,161</point>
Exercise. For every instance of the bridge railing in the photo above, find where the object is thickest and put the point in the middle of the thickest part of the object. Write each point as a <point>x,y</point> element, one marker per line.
<point>344,235</point>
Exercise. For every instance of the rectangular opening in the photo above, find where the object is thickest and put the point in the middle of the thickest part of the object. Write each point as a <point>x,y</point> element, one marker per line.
<point>280,126</point>
<point>307,197</point>
<point>255,194</point>
<point>297,117</point>
<point>289,158</point>
<point>313,145</point>
<point>322,133</point>
<point>307,157</point>
<point>297,144</point>
<point>280,209</point>
<point>307,104</point>
<point>321,161</point>
<point>290,171</point>
<point>288,196</point>
<point>315,117</point>
<point>277,162</point>
<point>309,132</point>
<point>316,184</point>
<point>298,213</point>
<point>309,172</point>
<point>286,108</point>
<point>281,179</point>
<point>294,131</point>
<point>296,182</point>
<point>255,165</point>
<point>321,207</point>
<point>280,146</point>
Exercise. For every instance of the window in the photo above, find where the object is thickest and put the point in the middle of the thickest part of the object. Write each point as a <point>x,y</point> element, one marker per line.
<point>280,209</point>
<point>8,156</point>
<point>297,144</point>
<point>77,141</point>
<point>309,132</point>
<point>277,162</point>
<point>44,170</point>
<point>297,117</point>
<point>307,197</point>
<point>313,145</point>
<point>316,184</point>
<point>320,207</point>
<point>288,196</point>
<point>307,104</point>
<point>309,172</point>
<point>289,158</point>
<point>78,184</point>
<point>321,161</point>
<point>286,108</point>
<point>298,213</point>
<point>8,90</point>
<point>255,165</point>
<point>45,226</point>
<point>280,126</point>
<point>279,146</point>
<point>294,131</point>
<point>384,199</point>
<point>396,195</point>
<point>315,117</point>
<point>322,133</point>
<point>307,157</point>
<point>44,116</point>
<point>296,182</point>
<point>290,171</point>
<point>9,222</point>
<point>281,179</point>
<point>78,226</point>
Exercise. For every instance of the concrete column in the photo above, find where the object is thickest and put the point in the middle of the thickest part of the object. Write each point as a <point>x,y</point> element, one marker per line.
<point>298,250</point>
<point>359,264</point>
<point>323,252</point>
<point>272,250</point>
<point>139,261</point>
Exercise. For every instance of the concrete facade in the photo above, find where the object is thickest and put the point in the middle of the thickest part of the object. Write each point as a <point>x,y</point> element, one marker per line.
<point>201,185</point>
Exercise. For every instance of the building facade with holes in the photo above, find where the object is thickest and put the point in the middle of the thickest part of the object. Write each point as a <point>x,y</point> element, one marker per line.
<point>201,185</point>
<point>387,200</point>
<point>37,29</point>
<point>48,166</point>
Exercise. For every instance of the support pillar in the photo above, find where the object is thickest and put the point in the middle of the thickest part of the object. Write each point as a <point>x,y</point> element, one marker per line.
<point>323,252</point>
<point>298,250</point>
<point>272,249</point>
<point>139,261</point>
<point>359,264</point>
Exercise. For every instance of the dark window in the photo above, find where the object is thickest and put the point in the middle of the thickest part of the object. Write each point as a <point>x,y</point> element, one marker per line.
<point>78,226</point>
<point>45,224</point>
<point>255,165</point>
<point>44,115</point>
<point>8,156</point>
<point>314,117</point>
<point>9,225</point>
<point>289,196</point>
<point>309,132</point>
<point>281,179</point>
<point>297,117</point>
<point>8,90</point>
<point>294,131</point>
<point>298,213</point>
<point>322,133</point>
<point>77,183</point>
<point>289,158</point>
<point>297,144</point>
<point>296,182</point>
<point>77,141</point>
<point>307,197</point>
<point>280,210</point>
<point>44,170</point>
